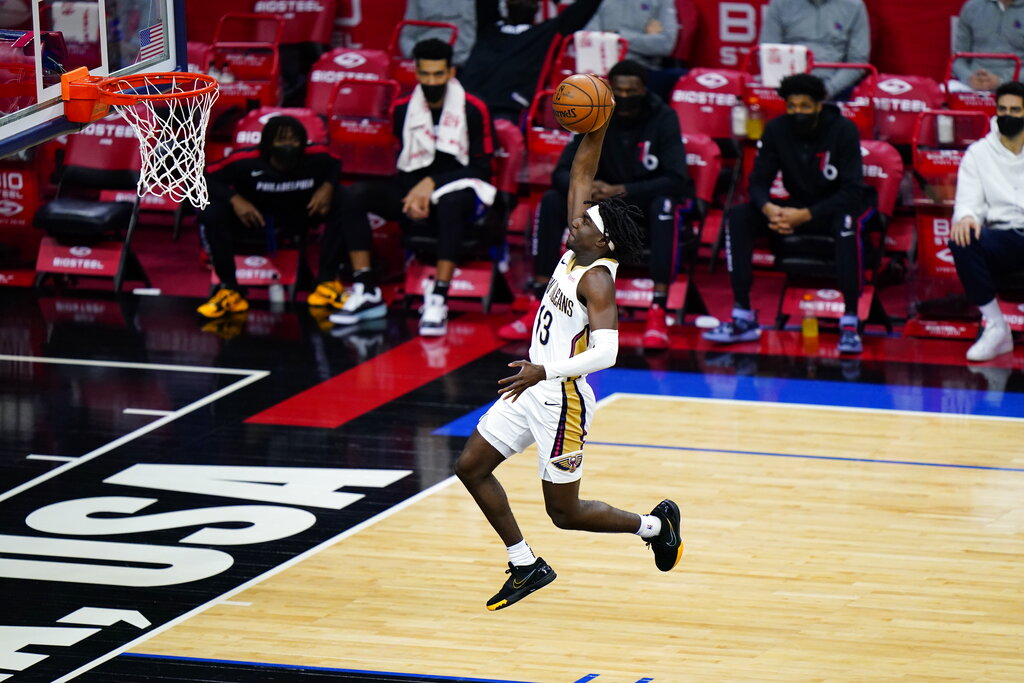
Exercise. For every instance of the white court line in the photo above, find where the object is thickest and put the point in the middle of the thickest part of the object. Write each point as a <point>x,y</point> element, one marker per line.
<point>263,577</point>
<point>249,377</point>
<point>237,603</point>
<point>812,406</point>
<point>54,458</point>
<point>146,411</point>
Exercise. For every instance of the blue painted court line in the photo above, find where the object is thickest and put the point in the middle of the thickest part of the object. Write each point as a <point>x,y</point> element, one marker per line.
<point>299,667</point>
<point>808,457</point>
<point>588,677</point>
<point>949,401</point>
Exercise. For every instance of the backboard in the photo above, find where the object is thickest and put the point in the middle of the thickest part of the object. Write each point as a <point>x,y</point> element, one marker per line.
<point>42,39</point>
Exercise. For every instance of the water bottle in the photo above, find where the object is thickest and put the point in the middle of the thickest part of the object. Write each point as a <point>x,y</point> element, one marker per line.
<point>755,120</point>
<point>739,120</point>
<point>809,324</point>
<point>275,294</point>
<point>945,129</point>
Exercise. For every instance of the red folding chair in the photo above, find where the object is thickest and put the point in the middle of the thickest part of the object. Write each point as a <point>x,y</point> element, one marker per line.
<point>403,67</point>
<point>976,100</point>
<point>343,64</point>
<point>360,128</point>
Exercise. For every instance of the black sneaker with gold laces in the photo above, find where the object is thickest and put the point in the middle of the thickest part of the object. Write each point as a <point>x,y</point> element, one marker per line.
<point>668,544</point>
<point>522,582</point>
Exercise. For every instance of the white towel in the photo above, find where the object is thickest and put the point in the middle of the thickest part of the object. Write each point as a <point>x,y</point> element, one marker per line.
<point>779,60</point>
<point>419,139</point>
<point>596,51</point>
<point>485,192</point>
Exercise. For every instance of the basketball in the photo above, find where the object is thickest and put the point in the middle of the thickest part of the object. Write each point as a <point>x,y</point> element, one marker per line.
<point>582,103</point>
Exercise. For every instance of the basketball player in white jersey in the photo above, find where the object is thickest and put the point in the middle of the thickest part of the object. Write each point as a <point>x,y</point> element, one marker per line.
<point>549,401</point>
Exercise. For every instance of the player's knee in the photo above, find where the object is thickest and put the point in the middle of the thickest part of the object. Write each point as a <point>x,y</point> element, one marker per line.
<point>464,469</point>
<point>564,516</point>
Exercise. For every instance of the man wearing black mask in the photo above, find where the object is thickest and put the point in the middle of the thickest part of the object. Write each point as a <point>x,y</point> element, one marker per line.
<point>446,137</point>
<point>818,152</point>
<point>643,161</point>
<point>260,195</point>
<point>509,53</point>
<point>987,237</point>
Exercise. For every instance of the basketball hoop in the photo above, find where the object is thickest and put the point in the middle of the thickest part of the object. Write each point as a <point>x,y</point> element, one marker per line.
<point>169,112</point>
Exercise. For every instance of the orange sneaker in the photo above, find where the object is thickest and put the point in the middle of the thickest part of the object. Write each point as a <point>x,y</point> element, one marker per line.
<point>223,302</point>
<point>519,330</point>
<point>327,294</point>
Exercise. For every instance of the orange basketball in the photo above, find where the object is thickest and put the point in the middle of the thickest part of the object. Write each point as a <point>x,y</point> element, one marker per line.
<point>582,103</point>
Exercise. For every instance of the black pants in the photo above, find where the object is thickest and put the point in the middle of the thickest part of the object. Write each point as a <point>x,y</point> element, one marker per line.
<point>223,234</point>
<point>995,252</point>
<point>450,217</point>
<point>745,222</point>
<point>662,235</point>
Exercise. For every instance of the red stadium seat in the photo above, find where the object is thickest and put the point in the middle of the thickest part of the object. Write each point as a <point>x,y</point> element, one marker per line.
<point>244,59</point>
<point>249,130</point>
<point>545,140</point>
<point>898,101</point>
<point>360,127</point>
<point>704,100</point>
<point>565,62</point>
<point>343,64</point>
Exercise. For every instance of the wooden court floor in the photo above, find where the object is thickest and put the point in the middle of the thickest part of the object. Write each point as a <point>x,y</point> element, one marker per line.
<point>822,544</point>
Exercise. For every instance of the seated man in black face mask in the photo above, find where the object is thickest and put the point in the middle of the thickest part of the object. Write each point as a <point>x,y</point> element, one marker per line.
<point>444,173</point>
<point>643,162</point>
<point>261,194</point>
<point>818,152</point>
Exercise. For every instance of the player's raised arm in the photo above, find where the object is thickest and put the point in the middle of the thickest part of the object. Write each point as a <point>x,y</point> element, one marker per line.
<point>584,167</point>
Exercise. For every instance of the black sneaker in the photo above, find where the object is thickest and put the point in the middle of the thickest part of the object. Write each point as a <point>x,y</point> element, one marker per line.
<point>668,544</point>
<point>524,580</point>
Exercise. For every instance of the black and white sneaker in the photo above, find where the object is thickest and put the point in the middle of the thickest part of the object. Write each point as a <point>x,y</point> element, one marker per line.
<point>433,315</point>
<point>360,304</point>
<point>668,544</point>
<point>735,331</point>
<point>522,582</point>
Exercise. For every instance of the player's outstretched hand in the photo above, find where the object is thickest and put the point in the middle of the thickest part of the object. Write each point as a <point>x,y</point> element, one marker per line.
<point>528,375</point>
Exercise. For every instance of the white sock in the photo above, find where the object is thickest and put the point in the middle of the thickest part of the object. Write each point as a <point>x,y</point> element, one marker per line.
<point>650,526</point>
<point>520,554</point>
<point>992,313</point>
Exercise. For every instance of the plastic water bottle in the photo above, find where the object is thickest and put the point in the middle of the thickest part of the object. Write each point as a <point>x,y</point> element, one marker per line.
<point>809,324</point>
<point>275,294</point>
<point>755,120</point>
<point>739,120</point>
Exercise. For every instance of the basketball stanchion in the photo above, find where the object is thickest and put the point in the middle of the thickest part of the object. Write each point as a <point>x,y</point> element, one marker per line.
<point>169,111</point>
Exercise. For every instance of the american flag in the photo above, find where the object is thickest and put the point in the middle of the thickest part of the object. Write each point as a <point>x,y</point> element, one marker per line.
<point>151,42</point>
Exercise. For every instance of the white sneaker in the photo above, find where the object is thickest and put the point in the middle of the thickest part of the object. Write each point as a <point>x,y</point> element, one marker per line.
<point>433,315</point>
<point>360,304</point>
<point>995,340</point>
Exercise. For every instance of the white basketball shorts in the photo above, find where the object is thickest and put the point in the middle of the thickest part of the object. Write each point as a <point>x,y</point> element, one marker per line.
<point>553,413</point>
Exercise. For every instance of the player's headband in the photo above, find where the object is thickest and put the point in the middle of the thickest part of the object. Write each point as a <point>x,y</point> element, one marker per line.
<point>595,216</point>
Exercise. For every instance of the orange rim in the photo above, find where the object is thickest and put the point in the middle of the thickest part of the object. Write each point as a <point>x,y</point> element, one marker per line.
<point>116,90</point>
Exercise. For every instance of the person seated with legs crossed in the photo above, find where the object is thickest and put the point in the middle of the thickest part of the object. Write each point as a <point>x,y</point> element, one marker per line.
<point>444,173</point>
<point>818,152</point>
<point>260,194</point>
<point>548,401</point>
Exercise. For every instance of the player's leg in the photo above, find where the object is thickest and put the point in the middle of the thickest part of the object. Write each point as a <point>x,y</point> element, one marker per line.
<point>742,225</point>
<point>475,469</point>
<point>502,432</point>
<point>218,227</point>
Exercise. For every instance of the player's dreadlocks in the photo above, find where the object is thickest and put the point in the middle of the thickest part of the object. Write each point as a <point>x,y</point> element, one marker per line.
<point>624,227</point>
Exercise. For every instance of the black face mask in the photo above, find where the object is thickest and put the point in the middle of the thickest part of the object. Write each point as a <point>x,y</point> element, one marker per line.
<point>804,124</point>
<point>518,13</point>
<point>434,93</point>
<point>629,107</point>
<point>1010,126</point>
<point>286,156</point>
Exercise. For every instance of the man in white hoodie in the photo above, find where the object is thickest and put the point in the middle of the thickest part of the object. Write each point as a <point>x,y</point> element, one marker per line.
<point>988,220</point>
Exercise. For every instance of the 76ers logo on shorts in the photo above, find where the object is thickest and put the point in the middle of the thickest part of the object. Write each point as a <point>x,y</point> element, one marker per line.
<point>569,463</point>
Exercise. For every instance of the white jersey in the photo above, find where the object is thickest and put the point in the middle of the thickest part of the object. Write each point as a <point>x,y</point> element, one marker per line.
<point>562,327</point>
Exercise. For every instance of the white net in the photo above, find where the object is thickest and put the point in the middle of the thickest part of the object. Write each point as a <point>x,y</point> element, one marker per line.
<point>170,116</point>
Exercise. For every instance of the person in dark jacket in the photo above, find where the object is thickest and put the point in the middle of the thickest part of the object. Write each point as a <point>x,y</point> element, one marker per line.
<point>506,61</point>
<point>263,194</point>
<point>447,146</point>
<point>643,162</point>
<point>818,152</point>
